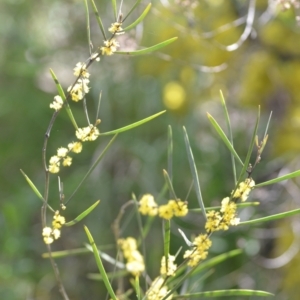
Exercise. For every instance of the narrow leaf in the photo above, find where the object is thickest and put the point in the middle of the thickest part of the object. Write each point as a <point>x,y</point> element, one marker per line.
<point>269,121</point>
<point>170,185</point>
<point>58,85</point>
<point>139,19</point>
<point>224,293</point>
<point>77,251</point>
<point>92,167</point>
<point>167,238</point>
<point>137,287</point>
<point>250,150</point>
<point>100,265</point>
<point>133,125</point>
<point>150,49</point>
<point>216,260</point>
<point>88,28</point>
<point>272,217</point>
<point>114,5</point>
<point>107,257</point>
<point>194,171</point>
<point>65,253</point>
<point>132,9</point>
<point>111,275</point>
<point>36,191</point>
<point>278,179</point>
<point>239,205</point>
<point>170,153</point>
<point>98,19</point>
<point>230,135</point>
<point>224,137</point>
<point>82,215</point>
<point>63,96</point>
<point>31,184</point>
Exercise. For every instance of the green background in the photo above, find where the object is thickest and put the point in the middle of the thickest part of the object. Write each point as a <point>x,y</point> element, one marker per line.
<point>265,71</point>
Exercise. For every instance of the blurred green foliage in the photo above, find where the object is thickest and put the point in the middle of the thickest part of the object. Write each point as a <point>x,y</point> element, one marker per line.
<point>37,35</point>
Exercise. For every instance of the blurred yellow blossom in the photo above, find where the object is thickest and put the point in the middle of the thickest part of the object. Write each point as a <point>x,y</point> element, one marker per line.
<point>244,189</point>
<point>157,290</point>
<point>179,207</point>
<point>135,261</point>
<point>54,164</point>
<point>201,244</point>
<point>110,47</point>
<point>67,161</point>
<point>116,28</point>
<point>57,103</point>
<point>58,220</point>
<point>51,234</point>
<point>89,133</point>
<point>79,89</point>
<point>148,205</point>
<point>81,70</point>
<point>75,147</point>
<point>229,212</point>
<point>62,152</point>
<point>165,212</point>
<point>171,266</point>
<point>47,234</point>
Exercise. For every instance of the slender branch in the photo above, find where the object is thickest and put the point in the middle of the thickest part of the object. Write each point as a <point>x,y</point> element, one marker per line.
<point>44,150</point>
<point>247,31</point>
<point>57,275</point>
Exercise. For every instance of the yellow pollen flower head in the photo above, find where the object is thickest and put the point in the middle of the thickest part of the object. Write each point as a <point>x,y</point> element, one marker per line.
<point>110,46</point>
<point>157,290</point>
<point>148,205</point>
<point>57,103</point>
<point>179,207</point>
<point>244,189</point>
<point>81,70</point>
<point>116,28</point>
<point>67,161</point>
<point>89,133</point>
<point>62,152</point>
<point>165,212</point>
<point>75,147</point>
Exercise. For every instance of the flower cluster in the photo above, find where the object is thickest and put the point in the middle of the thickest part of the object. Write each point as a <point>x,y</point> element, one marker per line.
<point>176,208</point>
<point>157,290</point>
<point>57,103</point>
<point>80,88</point>
<point>219,220</point>
<point>89,133</point>
<point>170,269</point>
<point>135,261</point>
<point>116,28</point>
<point>201,244</point>
<point>243,190</point>
<point>62,156</point>
<point>51,234</point>
<point>110,46</point>
<point>148,206</point>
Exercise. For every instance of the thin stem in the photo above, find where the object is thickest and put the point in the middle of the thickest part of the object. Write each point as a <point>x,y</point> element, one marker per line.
<point>247,31</point>
<point>44,150</point>
<point>57,275</point>
<point>86,111</point>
